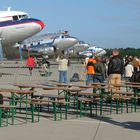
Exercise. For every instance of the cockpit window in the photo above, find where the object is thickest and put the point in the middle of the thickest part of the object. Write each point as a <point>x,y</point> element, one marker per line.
<point>67,36</point>
<point>23,16</point>
<point>15,17</point>
<point>56,37</point>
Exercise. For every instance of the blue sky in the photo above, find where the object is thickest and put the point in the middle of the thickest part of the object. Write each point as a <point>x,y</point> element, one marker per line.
<point>105,23</point>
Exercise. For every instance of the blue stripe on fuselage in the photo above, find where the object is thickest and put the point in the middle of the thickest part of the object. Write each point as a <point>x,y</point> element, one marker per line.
<point>16,22</point>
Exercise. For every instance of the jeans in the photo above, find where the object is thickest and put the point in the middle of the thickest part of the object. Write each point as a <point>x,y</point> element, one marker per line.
<point>99,78</point>
<point>63,77</point>
<point>90,78</point>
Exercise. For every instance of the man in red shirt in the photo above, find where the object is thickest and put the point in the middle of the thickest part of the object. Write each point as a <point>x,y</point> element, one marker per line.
<point>30,63</point>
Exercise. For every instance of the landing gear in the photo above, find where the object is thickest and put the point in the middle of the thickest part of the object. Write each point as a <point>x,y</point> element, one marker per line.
<point>1,51</point>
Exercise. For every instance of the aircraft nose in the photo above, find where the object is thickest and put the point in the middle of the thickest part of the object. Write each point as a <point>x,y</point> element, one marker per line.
<point>40,23</point>
<point>73,40</point>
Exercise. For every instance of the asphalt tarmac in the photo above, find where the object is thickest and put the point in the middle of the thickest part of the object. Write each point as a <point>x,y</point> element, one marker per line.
<point>124,126</point>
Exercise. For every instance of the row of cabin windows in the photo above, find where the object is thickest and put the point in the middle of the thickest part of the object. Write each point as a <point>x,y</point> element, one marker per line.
<point>19,17</point>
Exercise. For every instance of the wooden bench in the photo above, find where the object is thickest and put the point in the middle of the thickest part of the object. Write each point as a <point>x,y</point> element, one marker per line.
<point>16,97</point>
<point>85,102</point>
<point>88,94</point>
<point>63,85</point>
<point>4,110</point>
<point>123,93</point>
<point>56,104</point>
<point>132,83</point>
<point>120,98</point>
<point>53,96</point>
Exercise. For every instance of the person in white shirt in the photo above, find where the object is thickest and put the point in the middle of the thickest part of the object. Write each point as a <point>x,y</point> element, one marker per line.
<point>62,68</point>
<point>129,69</point>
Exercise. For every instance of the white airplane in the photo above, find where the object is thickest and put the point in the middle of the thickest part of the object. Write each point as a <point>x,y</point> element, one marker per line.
<point>50,44</point>
<point>93,50</point>
<point>78,47</point>
<point>15,26</point>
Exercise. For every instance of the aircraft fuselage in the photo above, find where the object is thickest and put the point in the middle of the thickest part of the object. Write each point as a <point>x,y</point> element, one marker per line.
<point>15,26</point>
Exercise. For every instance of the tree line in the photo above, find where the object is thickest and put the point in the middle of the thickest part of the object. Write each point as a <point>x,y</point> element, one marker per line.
<point>125,52</point>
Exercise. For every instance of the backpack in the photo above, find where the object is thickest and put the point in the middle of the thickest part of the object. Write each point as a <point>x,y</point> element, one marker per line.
<point>135,77</point>
<point>75,77</point>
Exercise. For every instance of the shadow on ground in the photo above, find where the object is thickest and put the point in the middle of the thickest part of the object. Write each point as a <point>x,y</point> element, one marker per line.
<point>128,124</point>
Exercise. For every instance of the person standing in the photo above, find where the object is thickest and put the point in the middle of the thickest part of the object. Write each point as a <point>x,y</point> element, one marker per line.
<point>136,64</point>
<point>90,69</point>
<point>115,70</point>
<point>62,68</point>
<point>30,63</point>
<point>129,69</point>
<point>99,70</point>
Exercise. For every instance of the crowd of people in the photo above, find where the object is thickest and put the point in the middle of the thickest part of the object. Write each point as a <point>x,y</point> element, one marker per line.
<point>99,69</point>
<point>115,68</point>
